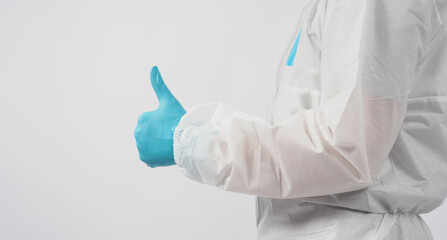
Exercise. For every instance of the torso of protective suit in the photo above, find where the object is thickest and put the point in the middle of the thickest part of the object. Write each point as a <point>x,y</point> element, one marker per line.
<point>355,142</point>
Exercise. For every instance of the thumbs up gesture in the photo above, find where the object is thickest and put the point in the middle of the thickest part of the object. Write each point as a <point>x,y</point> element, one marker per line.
<point>155,129</point>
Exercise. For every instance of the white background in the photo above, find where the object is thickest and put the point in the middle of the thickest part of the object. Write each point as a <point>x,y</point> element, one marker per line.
<point>74,76</point>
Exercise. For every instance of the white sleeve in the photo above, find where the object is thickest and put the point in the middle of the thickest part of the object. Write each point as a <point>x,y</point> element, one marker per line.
<point>369,57</point>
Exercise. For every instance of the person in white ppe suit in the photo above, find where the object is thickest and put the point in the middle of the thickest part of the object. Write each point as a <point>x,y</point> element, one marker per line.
<point>355,146</point>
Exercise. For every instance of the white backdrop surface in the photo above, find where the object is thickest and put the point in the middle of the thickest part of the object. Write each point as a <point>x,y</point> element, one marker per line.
<point>74,76</point>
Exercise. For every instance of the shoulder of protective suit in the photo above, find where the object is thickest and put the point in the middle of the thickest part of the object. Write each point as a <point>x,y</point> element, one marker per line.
<point>423,18</point>
<point>425,10</point>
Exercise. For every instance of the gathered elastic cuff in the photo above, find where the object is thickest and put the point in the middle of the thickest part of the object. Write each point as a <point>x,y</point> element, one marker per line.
<point>178,146</point>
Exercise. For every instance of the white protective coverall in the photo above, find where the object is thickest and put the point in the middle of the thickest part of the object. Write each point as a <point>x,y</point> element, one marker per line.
<point>355,146</point>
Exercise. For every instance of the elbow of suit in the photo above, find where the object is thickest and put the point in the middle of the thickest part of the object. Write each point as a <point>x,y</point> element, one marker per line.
<point>346,176</point>
<point>300,191</point>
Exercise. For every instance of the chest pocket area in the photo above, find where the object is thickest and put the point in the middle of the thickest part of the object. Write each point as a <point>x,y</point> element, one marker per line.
<point>299,85</point>
<point>301,89</point>
<point>301,76</point>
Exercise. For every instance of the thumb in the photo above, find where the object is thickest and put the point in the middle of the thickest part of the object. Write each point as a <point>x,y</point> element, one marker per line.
<point>164,96</point>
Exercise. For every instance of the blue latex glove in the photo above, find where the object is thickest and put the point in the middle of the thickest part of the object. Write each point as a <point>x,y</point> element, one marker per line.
<point>155,130</point>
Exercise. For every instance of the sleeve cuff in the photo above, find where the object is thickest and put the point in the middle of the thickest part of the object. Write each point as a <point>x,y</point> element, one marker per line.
<point>178,145</point>
<point>193,142</point>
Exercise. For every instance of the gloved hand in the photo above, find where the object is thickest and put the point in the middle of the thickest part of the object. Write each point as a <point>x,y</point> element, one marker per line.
<point>155,130</point>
